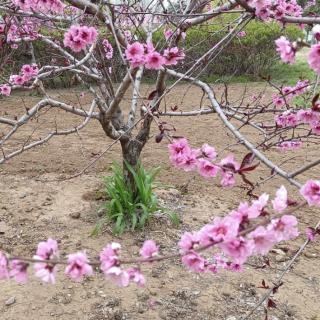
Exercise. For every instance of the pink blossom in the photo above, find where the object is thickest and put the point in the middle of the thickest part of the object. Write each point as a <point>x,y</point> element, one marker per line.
<point>108,50</point>
<point>286,50</point>
<point>149,249</point>
<point>310,233</point>
<point>316,32</point>
<point>172,56</point>
<point>136,276</point>
<point>289,145</point>
<point>118,276</point>
<point>257,206</point>
<point>46,272</point>
<point>229,163</point>
<point>194,261</point>
<point>5,90</point>
<point>78,266</point>
<point>239,249</point>
<point>314,58</point>
<point>242,213</point>
<point>207,169</point>
<point>29,71</point>
<point>78,37</point>
<point>17,80</point>
<point>263,240</point>
<point>221,229</point>
<point>288,92</point>
<point>189,161</point>
<point>3,266</point>
<point>154,60</point>
<point>280,202</point>
<point>307,116</point>
<point>47,250</point>
<point>286,119</point>
<point>284,228</point>
<point>18,270</point>
<point>241,34</point>
<point>228,179</point>
<point>208,151</point>
<point>188,241</point>
<point>278,101</point>
<point>178,147</point>
<point>135,54</point>
<point>168,33</point>
<point>181,33</point>
<point>311,192</point>
<point>315,126</point>
<point>228,167</point>
<point>109,256</point>
<point>128,35</point>
<point>302,86</point>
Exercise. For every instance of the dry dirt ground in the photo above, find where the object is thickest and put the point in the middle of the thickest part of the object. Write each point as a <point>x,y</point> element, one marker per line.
<point>34,207</point>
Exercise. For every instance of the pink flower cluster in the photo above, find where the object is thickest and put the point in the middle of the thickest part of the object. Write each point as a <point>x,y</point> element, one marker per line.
<point>108,49</point>
<point>302,116</point>
<point>311,192</point>
<point>231,237</point>
<point>139,54</point>
<point>266,9</point>
<point>43,6</point>
<point>286,50</point>
<point>168,33</point>
<point>78,37</point>
<point>289,145</point>
<point>288,93</point>
<point>110,265</point>
<point>188,159</point>
<point>26,28</point>
<point>314,58</point>
<point>5,90</point>
<point>28,72</point>
<point>233,247</point>
<point>78,264</point>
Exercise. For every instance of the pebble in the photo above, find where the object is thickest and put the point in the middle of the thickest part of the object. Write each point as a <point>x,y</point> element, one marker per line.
<point>101,212</point>
<point>10,301</point>
<point>75,215</point>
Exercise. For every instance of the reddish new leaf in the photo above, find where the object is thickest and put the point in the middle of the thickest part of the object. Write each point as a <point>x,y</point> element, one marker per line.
<point>271,304</point>
<point>248,158</point>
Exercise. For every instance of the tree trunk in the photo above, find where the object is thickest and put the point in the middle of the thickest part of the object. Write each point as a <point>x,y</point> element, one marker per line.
<point>131,150</point>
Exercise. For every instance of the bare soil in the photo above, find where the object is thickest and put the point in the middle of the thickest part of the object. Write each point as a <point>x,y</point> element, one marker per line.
<point>35,206</point>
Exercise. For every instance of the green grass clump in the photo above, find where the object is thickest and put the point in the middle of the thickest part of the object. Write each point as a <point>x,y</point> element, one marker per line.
<point>126,208</point>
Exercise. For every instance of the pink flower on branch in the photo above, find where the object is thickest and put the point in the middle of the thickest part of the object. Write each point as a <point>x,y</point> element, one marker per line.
<point>311,192</point>
<point>4,274</point>
<point>314,58</point>
<point>280,202</point>
<point>284,228</point>
<point>207,169</point>
<point>118,276</point>
<point>78,37</point>
<point>172,56</point>
<point>5,90</point>
<point>47,250</point>
<point>18,270</point>
<point>78,266</point>
<point>263,240</point>
<point>149,249</point>
<point>286,50</point>
<point>109,256</point>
